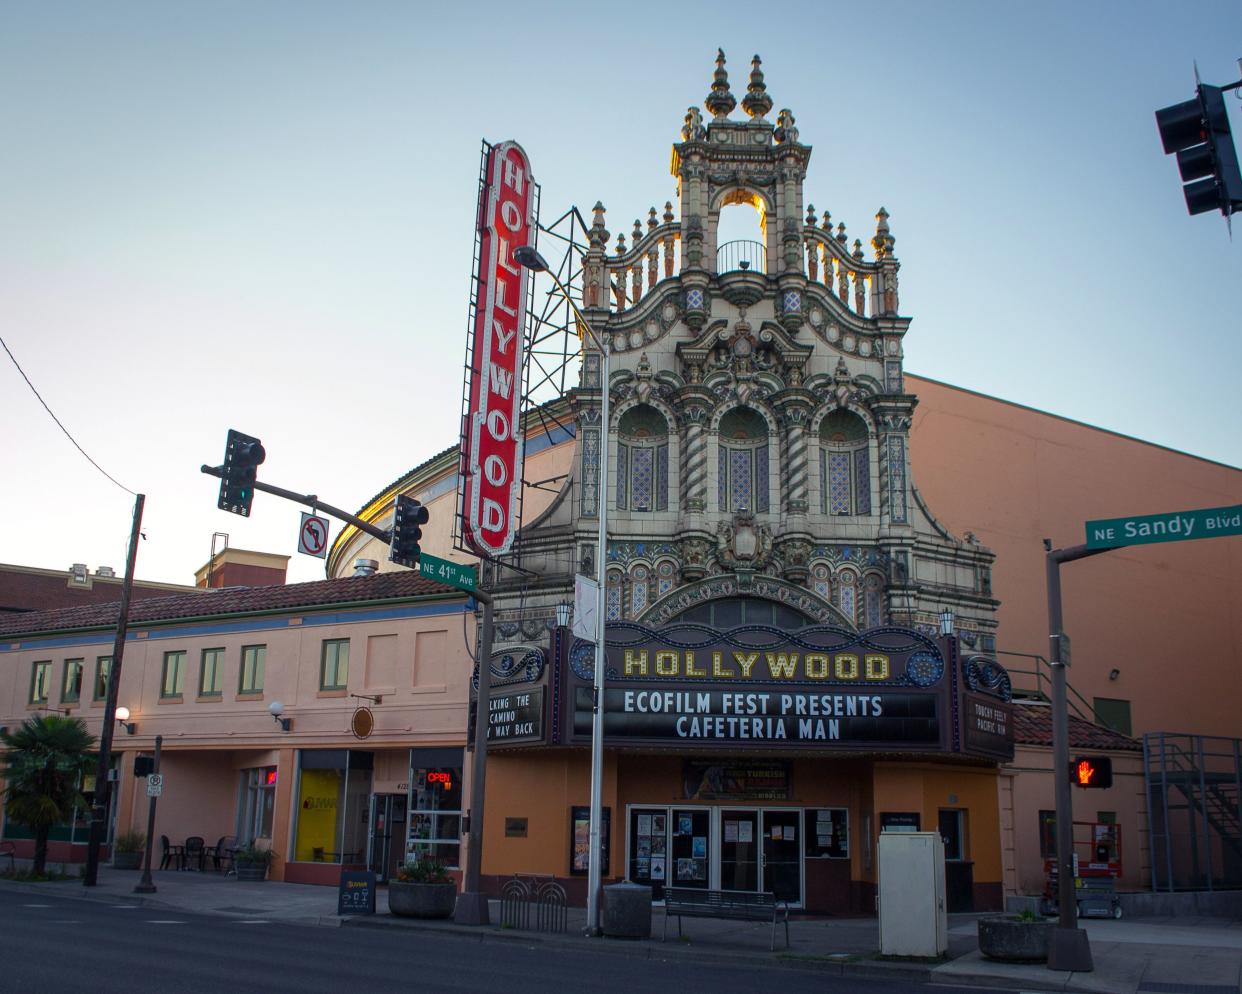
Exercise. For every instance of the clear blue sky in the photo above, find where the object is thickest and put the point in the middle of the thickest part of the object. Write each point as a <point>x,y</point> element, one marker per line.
<point>259,216</point>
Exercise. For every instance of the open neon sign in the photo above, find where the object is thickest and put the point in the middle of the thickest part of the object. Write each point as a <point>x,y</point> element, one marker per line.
<point>441,777</point>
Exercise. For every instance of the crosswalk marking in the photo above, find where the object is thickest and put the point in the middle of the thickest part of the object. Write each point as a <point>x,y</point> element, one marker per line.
<point>164,921</point>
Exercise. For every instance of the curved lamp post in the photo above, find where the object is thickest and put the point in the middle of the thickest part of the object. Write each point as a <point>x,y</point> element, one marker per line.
<point>528,257</point>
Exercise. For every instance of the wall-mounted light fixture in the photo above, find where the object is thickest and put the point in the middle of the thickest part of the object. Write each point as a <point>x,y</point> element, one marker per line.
<point>564,612</point>
<point>946,621</point>
<point>122,719</point>
<point>277,709</point>
<point>1114,673</point>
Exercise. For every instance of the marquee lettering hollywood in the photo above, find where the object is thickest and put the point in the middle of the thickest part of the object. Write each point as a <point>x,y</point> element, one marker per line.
<point>494,439</point>
<point>791,666</point>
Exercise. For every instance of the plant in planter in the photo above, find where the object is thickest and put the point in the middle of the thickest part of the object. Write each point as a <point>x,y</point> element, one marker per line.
<point>422,889</point>
<point>251,863</point>
<point>127,850</point>
<point>1020,938</point>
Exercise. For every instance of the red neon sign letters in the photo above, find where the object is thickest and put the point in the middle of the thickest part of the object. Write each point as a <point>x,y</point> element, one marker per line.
<point>443,779</point>
<point>493,475</point>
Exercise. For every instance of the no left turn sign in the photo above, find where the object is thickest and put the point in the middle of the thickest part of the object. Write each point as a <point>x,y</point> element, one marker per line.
<point>313,535</point>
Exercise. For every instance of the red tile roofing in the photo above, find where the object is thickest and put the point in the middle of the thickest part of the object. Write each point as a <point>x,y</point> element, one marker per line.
<point>1032,725</point>
<point>400,585</point>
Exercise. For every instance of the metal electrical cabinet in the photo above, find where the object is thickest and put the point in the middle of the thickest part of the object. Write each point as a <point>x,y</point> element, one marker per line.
<point>913,919</point>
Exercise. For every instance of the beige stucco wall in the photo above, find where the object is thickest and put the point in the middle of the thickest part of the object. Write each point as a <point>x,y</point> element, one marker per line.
<point>1166,616</point>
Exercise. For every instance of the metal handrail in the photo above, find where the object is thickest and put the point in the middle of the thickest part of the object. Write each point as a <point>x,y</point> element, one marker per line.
<point>741,255</point>
<point>1086,715</point>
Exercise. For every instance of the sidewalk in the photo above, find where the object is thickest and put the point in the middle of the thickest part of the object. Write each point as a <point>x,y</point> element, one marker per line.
<point>1135,956</point>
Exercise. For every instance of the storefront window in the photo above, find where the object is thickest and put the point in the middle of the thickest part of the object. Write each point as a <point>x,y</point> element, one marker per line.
<point>333,805</point>
<point>435,806</point>
<point>258,803</point>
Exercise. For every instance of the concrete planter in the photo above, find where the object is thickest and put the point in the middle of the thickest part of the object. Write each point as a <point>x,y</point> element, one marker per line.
<point>1014,940</point>
<point>250,872</point>
<point>412,900</point>
<point>126,860</point>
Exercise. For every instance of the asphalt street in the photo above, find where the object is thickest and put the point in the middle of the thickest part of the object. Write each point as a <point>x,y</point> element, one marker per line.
<point>58,944</point>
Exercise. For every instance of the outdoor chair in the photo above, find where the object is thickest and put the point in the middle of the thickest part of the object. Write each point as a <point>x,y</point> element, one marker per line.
<point>222,854</point>
<point>171,854</point>
<point>195,853</point>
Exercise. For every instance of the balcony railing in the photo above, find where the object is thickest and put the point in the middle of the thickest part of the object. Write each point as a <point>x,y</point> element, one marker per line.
<point>741,256</point>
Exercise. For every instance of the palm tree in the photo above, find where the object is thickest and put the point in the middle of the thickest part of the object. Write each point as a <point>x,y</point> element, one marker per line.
<point>44,762</point>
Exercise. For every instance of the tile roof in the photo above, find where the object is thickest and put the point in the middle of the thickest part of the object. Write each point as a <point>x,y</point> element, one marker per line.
<point>398,585</point>
<point>1032,725</point>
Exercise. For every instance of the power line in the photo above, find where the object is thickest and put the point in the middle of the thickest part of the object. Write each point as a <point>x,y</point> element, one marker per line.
<point>61,426</point>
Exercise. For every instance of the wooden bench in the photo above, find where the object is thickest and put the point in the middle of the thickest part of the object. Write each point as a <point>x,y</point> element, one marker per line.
<point>737,905</point>
<point>8,849</point>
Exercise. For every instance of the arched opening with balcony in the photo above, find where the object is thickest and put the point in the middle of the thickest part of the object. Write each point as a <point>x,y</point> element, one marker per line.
<point>741,233</point>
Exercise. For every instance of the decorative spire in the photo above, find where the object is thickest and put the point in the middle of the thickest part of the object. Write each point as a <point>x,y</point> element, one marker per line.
<point>858,252</point>
<point>883,241</point>
<point>720,102</point>
<point>651,219</point>
<point>810,215</point>
<point>598,235</point>
<point>756,103</point>
<point>668,212</point>
<point>785,133</point>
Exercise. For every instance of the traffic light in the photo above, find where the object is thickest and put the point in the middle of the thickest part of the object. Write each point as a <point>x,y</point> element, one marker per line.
<point>408,517</point>
<point>1198,131</point>
<point>242,456</point>
<point>1092,771</point>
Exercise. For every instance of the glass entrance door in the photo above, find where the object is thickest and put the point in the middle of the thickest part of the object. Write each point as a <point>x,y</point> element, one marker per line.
<point>739,850</point>
<point>782,855</point>
<point>387,834</point>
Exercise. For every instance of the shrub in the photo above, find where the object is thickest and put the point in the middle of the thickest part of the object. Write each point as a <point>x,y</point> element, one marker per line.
<point>130,842</point>
<point>255,856</point>
<point>424,871</point>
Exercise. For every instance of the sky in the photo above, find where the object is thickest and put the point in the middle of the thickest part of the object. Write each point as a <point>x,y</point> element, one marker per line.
<point>259,216</point>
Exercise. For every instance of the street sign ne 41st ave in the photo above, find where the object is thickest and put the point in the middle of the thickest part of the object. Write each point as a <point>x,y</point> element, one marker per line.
<point>454,574</point>
<point>1176,526</point>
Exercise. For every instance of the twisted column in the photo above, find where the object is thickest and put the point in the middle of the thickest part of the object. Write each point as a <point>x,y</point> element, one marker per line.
<point>795,461</point>
<point>694,461</point>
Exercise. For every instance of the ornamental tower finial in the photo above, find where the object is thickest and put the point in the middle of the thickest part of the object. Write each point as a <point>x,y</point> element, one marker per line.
<point>720,101</point>
<point>756,103</point>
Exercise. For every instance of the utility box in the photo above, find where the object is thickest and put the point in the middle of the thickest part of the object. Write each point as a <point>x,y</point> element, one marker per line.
<point>913,919</point>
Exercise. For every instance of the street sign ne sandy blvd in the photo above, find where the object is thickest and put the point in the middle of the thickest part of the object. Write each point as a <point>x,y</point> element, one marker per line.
<point>1175,526</point>
<point>454,574</point>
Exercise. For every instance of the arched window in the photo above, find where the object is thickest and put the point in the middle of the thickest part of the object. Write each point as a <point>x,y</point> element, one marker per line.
<point>821,582</point>
<point>743,471</point>
<point>847,595</point>
<point>642,460</point>
<point>873,599</point>
<point>640,587</point>
<point>666,573</point>
<point>612,596</point>
<point>844,465</point>
<point>729,612</point>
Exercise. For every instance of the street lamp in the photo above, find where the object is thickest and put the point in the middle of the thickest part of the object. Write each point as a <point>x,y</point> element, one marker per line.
<point>530,258</point>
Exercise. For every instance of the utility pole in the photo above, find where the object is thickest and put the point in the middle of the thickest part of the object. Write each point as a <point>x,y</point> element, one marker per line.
<point>103,785</point>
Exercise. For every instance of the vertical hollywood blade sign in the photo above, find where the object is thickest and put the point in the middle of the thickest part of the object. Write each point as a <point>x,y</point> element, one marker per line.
<point>494,438</point>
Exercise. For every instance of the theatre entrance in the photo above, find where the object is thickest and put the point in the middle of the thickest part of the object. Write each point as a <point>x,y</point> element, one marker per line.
<point>744,849</point>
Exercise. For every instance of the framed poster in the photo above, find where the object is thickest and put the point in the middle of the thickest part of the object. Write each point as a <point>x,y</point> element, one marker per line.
<point>580,839</point>
<point>826,833</point>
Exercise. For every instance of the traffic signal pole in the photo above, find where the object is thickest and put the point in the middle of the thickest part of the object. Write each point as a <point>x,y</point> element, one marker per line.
<point>311,501</point>
<point>1069,948</point>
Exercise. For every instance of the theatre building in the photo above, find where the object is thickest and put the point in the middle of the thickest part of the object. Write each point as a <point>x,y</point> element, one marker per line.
<point>778,690</point>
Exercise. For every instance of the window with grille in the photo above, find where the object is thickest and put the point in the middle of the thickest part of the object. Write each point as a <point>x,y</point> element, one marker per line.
<point>844,465</point>
<point>742,473</point>
<point>642,460</point>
